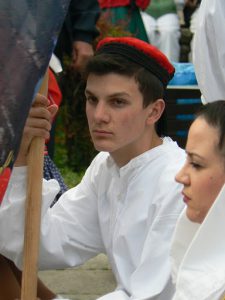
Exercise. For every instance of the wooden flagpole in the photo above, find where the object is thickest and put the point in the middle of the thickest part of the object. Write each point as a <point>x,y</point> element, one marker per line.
<point>33,213</point>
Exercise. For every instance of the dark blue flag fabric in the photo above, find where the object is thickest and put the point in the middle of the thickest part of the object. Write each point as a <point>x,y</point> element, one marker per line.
<point>28,34</point>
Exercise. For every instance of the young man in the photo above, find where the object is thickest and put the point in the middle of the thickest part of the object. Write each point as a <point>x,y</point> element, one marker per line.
<point>128,202</point>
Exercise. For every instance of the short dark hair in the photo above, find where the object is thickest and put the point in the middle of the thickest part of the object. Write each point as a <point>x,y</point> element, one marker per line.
<point>214,114</point>
<point>149,85</point>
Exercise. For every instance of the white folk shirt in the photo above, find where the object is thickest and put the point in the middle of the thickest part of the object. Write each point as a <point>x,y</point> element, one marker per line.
<point>127,213</point>
<point>198,255</point>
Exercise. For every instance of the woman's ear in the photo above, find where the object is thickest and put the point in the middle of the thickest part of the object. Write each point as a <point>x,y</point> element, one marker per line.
<point>155,111</point>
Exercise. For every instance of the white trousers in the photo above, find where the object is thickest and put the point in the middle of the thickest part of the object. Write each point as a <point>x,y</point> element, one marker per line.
<point>164,33</point>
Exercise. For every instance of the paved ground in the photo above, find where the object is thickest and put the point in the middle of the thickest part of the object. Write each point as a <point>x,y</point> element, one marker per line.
<point>87,282</point>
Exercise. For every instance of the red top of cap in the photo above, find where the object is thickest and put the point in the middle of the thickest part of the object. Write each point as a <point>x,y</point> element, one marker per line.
<point>142,47</point>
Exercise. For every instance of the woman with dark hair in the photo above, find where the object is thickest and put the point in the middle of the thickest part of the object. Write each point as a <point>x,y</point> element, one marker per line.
<point>198,249</point>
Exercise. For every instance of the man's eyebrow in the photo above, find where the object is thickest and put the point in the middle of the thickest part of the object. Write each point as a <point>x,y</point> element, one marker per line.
<point>118,94</point>
<point>88,92</point>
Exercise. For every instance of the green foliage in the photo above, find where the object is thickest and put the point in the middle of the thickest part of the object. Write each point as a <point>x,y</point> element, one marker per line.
<point>78,150</point>
<point>71,178</point>
<point>60,153</point>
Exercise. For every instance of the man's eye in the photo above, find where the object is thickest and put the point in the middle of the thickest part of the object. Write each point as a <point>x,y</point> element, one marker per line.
<point>118,102</point>
<point>91,100</point>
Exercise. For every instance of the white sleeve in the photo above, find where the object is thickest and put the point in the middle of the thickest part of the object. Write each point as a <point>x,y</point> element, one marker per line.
<point>116,295</point>
<point>209,50</point>
<point>12,211</point>
<point>69,230</point>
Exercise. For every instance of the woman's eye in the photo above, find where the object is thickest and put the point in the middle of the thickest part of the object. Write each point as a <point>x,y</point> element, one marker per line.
<point>195,165</point>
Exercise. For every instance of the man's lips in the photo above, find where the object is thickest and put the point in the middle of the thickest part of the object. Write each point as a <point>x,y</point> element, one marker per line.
<point>101,132</point>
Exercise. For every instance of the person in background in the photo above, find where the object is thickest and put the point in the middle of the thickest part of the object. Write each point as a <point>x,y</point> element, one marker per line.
<point>190,12</point>
<point>163,27</point>
<point>191,15</point>
<point>209,50</point>
<point>127,203</point>
<point>198,248</point>
<point>126,13</point>
<point>78,33</point>
<point>50,169</point>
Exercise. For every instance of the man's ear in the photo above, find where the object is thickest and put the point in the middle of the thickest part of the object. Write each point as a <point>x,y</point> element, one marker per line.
<point>155,111</point>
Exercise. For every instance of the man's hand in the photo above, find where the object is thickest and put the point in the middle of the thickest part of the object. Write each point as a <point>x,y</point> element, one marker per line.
<point>38,124</point>
<point>80,54</point>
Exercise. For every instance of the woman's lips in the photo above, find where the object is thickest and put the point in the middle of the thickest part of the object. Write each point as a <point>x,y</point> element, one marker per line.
<point>186,199</point>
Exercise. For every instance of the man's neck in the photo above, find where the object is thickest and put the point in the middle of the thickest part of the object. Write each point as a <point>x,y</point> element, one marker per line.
<point>123,156</point>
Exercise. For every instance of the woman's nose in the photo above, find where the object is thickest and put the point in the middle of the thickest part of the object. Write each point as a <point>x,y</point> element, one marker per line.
<point>182,176</point>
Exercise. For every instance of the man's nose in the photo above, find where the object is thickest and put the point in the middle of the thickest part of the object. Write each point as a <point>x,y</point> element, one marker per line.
<point>101,112</point>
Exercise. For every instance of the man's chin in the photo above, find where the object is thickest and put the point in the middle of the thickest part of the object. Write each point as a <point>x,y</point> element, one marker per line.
<point>103,148</point>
